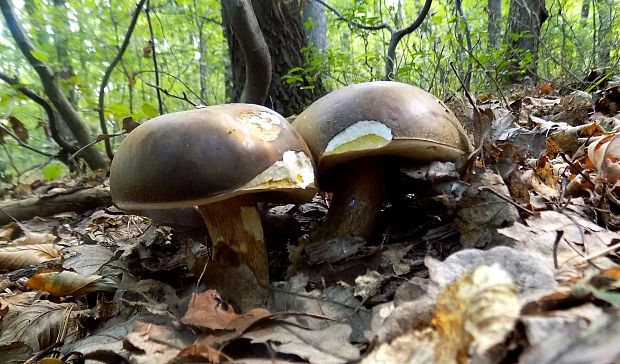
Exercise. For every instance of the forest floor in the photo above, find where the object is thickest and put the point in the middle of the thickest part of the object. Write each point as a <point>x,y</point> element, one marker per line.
<point>515,261</point>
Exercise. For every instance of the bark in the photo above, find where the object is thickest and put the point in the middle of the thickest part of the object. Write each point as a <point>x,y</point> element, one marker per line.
<point>525,20</point>
<point>201,48</point>
<point>249,48</point>
<point>604,9</point>
<point>61,42</point>
<point>495,16</point>
<point>78,201</point>
<point>91,156</point>
<point>585,10</point>
<point>317,33</point>
<point>281,26</point>
<point>469,50</point>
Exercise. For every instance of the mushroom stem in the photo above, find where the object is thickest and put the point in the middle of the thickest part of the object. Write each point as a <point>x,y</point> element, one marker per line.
<point>356,200</point>
<point>237,234</point>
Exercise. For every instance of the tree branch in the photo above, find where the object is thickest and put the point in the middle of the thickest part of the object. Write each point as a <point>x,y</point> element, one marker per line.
<point>354,23</point>
<point>160,104</point>
<point>53,92</point>
<point>51,115</point>
<point>108,73</point>
<point>398,35</point>
<point>257,58</point>
<point>7,131</point>
<point>167,93</point>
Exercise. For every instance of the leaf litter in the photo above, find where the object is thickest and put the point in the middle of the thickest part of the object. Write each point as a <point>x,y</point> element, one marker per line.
<point>515,261</point>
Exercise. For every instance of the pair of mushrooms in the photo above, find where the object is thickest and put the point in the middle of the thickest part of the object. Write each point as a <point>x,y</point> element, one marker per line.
<point>226,158</point>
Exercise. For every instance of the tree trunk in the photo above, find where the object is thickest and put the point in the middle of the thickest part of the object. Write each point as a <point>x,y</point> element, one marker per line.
<point>317,33</point>
<point>495,16</point>
<point>605,10</point>
<point>91,155</point>
<point>280,23</point>
<point>61,42</point>
<point>525,20</point>
<point>585,10</point>
<point>252,49</point>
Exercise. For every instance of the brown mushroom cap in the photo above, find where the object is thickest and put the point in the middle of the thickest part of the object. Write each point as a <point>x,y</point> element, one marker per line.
<point>195,157</point>
<point>381,118</point>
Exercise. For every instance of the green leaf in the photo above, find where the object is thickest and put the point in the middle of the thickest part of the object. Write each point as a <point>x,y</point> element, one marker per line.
<point>609,297</point>
<point>119,110</point>
<point>53,171</point>
<point>149,110</point>
<point>40,56</point>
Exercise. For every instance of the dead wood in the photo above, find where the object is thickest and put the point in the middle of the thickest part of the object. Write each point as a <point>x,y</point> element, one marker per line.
<point>73,200</point>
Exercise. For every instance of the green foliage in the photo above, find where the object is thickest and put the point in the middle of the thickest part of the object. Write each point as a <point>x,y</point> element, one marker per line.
<point>40,56</point>
<point>54,170</point>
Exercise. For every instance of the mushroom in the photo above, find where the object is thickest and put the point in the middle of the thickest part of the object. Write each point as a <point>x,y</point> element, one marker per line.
<point>222,159</point>
<point>354,134</point>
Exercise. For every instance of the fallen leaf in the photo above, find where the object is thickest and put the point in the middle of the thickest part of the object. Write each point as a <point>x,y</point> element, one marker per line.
<point>31,238</point>
<point>16,257</point>
<point>89,259</point>
<point>207,309</point>
<point>38,324</point>
<point>327,346</point>
<point>152,343</point>
<point>68,283</point>
<point>580,238</point>
<point>483,211</point>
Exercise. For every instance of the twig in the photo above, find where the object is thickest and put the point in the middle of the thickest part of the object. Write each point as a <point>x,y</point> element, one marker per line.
<point>154,56</point>
<point>603,252</point>
<point>167,93</point>
<point>6,130</point>
<point>507,199</point>
<point>203,102</point>
<point>102,137</point>
<point>558,237</point>
<point>352,22</point>
<point>399,34</point>
<point>106,78</point>
<point>51,115</point>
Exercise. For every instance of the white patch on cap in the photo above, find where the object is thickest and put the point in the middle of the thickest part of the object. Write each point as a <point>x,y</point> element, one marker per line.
<point>370,133</point>
<point>262,124</point>
<point>294,170</point>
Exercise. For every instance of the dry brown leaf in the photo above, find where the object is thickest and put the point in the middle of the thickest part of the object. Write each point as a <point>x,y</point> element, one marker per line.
<point>484,208</point>
<point>89,258</point>
<point>153,343</point>
<point>545,181</point>
<point>476,312</point>
<point>605,155</point>
<point>38,324</point>
<point>70,284</point>
<point>19,129</point>
<point>31,238</point>
<point>16,257</point>
<point>208,310</point>
<point>580,238</point>
<point>472,315</point>
<point>12,304</point>
<point>8,231</point>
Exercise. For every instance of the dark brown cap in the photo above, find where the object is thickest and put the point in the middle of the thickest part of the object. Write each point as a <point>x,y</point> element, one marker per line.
<point>191,158</point>
<point>381,118</point>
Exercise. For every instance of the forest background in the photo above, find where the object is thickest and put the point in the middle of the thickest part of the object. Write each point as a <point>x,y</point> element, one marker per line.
<point>74,71</point>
